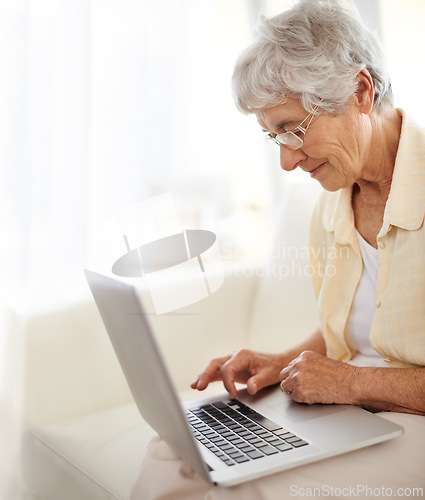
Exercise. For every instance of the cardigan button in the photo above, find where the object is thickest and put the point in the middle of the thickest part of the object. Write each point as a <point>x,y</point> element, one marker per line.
<point>378,303</point>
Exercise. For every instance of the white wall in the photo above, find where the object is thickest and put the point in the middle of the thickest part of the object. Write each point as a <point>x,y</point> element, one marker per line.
<point>403,33</point>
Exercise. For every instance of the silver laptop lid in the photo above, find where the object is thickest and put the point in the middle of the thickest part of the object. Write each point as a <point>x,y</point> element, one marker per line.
<point>135,346</point>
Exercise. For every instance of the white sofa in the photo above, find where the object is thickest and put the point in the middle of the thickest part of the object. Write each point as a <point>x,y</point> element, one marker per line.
<point>83,437</point>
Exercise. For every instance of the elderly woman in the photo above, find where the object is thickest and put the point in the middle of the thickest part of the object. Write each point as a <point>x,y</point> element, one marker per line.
<point>316,80</point>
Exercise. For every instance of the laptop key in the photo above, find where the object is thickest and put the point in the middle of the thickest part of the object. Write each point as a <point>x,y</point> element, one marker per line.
<point>253,427</point>
<point>255,441</point>
<point>269,450</point>
<point>291,439</point>
<point>263,434</point>
<point>265,422</point>
<point>275,442</point>
<point>281,432</point>
<point>220,404</point>
<point>269,438</point>
<point>234,454</point>
<point>246,449</point>
<point>200,427</point>
<point>245,433</point>
<point>284,447</point>
<point>219,442</point>
<point>254,454</point>
<point>286,435</point>
<point>298,444</point>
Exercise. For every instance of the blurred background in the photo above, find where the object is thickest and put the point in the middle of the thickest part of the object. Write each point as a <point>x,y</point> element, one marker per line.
<point>105,103</point>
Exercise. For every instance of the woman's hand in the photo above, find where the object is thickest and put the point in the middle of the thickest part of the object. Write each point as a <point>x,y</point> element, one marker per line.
<point>313,378</point>
<point>256,370</point>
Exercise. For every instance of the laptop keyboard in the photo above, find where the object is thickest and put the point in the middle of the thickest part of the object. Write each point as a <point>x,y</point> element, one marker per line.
<point>236,433</point>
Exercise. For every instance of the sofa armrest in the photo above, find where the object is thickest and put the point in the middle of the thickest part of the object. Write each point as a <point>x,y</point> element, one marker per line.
<point>70,368</point>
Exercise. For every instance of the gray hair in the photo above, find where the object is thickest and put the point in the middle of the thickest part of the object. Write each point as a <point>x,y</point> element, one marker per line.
<point>312,52</point>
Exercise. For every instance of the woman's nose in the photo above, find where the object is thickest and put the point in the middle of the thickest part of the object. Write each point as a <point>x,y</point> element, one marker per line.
<point>290,158</point>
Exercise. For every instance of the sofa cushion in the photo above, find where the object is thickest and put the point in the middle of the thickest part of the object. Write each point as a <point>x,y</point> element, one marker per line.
<point>89,458</point>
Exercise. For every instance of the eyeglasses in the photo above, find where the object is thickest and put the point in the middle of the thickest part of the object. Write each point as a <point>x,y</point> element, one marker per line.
<point>293,139</point>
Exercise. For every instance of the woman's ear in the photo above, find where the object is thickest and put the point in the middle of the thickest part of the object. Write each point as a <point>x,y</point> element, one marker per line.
<point>364,93</point>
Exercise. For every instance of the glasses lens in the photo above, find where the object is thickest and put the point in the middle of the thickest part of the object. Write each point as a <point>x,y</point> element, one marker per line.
<point>290,140</point>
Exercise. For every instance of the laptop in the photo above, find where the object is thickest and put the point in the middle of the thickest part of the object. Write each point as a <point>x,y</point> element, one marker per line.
<point>227,441</point>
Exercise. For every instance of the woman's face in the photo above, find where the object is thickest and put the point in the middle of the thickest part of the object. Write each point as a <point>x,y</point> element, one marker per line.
<point>335,147</point>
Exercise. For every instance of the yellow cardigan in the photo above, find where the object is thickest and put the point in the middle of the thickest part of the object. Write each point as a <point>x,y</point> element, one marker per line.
<point>398,327</point>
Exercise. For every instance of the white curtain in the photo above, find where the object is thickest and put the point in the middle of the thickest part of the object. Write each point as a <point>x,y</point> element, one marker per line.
<point>107,103</point>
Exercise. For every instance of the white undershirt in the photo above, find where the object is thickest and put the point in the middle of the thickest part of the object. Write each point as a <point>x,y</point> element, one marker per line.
<point>363,309</point>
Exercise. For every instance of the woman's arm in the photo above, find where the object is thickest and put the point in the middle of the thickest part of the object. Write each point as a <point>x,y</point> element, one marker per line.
<point>312,378</point>
<point>391,389</point>
<point>256,370</point>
